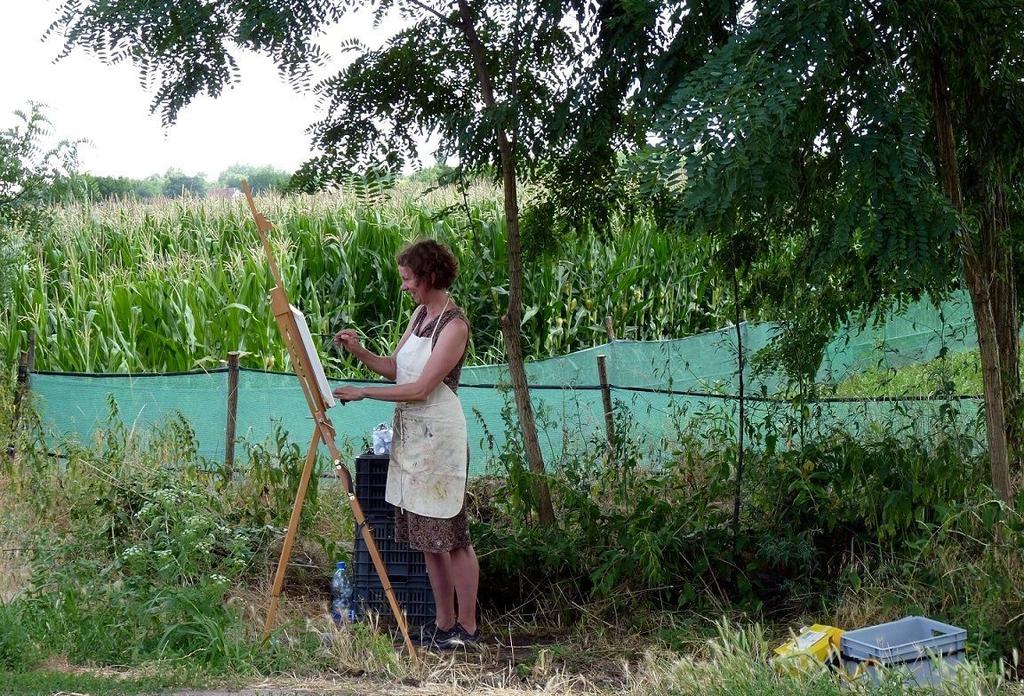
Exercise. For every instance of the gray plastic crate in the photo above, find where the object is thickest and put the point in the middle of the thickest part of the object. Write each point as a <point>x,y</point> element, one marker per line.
<point>917,644</point>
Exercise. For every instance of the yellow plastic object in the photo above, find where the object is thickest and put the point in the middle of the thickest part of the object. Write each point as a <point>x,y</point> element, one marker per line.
<point>813,646</point>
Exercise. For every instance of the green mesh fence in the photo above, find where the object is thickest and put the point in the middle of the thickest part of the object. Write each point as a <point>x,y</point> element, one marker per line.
<point>671,389</point>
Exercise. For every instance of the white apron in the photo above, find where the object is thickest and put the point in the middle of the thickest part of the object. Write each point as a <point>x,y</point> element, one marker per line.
<point>427,473</point>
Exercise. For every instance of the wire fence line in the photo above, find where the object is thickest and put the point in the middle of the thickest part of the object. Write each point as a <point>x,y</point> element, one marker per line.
<point>665,388</point>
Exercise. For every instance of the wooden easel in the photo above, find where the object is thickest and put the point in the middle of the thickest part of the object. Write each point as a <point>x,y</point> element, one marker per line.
<point>323,431</point>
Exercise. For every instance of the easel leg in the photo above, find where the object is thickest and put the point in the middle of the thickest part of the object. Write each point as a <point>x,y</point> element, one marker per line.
<point>293,528</point>
<point>360,520</point>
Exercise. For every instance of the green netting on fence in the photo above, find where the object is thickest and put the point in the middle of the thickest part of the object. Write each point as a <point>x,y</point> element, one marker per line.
<point>707,362</point>
<point>669,388</point>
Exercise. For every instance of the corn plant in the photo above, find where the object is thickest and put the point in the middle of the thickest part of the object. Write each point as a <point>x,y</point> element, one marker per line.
<point>175,285</point>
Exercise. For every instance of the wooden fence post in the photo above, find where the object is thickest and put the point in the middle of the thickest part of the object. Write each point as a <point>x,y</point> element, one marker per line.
<point>606,397</point>
<point>609,328</point>
<point>229,441</point>
<point>742,414</point>
<point>26,364</point>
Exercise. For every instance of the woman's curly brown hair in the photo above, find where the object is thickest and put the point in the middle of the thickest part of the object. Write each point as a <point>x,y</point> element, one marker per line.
<point>430,261</point>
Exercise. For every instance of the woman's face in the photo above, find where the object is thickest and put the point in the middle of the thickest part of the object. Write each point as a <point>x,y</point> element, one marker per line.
<point>412,284</point>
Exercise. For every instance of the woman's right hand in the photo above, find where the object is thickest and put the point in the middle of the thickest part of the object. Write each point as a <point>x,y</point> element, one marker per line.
<point>347,339</point>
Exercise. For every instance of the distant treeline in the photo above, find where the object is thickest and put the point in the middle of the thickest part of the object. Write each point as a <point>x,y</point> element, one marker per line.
<point>176,184</point>
<point>172,184</point>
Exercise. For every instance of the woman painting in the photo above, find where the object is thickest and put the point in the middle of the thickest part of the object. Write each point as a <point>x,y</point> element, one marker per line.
<point>429,454</point>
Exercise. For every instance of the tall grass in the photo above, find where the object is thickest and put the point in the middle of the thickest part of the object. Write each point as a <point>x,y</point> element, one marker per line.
<point>131,287</point>
<point>737,664</point>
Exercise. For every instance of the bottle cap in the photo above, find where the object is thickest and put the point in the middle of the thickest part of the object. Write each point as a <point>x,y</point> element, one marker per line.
<point>340,565</point>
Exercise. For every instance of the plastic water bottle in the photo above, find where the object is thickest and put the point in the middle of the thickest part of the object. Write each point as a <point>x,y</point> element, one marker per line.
<point>342,610</point>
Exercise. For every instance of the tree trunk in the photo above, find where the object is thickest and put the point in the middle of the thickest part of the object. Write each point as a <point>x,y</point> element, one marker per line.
<point>512,319</point>
<point>991,373</point>
<point>995,225</point>
<point>981,276</point>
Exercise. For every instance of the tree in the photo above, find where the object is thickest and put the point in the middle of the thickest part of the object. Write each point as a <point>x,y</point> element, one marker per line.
<point>261,179</point>
<point>434,175</point>
<point>92,187</point>
<point>114,186</point>
<point>866,153</point>
<point>177,184</point>
<point>29,168</point>
<point>150,187</point>
<point>525,89</point>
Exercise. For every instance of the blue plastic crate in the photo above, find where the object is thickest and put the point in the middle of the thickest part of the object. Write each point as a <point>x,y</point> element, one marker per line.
<point>407,573</point>
<point>917,644</point>
<point>402,562</point>
<point>414,597</point>
<point>370,484</point>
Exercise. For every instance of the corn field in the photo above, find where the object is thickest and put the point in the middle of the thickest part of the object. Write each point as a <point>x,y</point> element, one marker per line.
<point>173,286</point>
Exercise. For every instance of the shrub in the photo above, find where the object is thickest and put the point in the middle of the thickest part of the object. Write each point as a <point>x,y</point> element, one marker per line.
<point>140,553</point>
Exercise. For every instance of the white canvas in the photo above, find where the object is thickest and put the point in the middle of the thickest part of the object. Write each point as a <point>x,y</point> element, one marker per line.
<point>314,358</point>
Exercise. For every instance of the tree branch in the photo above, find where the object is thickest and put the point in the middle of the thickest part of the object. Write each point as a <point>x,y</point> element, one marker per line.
<point>427,8</point>
<point>13,199</point>
<point>476,48</point>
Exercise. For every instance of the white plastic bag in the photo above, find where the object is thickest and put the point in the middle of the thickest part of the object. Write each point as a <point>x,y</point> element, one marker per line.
<point>382,439</point>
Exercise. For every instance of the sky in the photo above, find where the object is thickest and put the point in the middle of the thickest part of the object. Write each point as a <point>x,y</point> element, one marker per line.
<point>260,121</point>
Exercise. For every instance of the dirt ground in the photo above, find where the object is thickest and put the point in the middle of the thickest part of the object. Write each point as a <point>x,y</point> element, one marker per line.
<point>513,666</point>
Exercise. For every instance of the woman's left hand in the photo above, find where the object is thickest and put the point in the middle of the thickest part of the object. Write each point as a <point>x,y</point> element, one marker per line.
<point>349,393</point>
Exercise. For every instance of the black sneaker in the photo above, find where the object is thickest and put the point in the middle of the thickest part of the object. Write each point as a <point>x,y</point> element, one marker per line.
<point>459,637</point>
<point>433,637</point>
